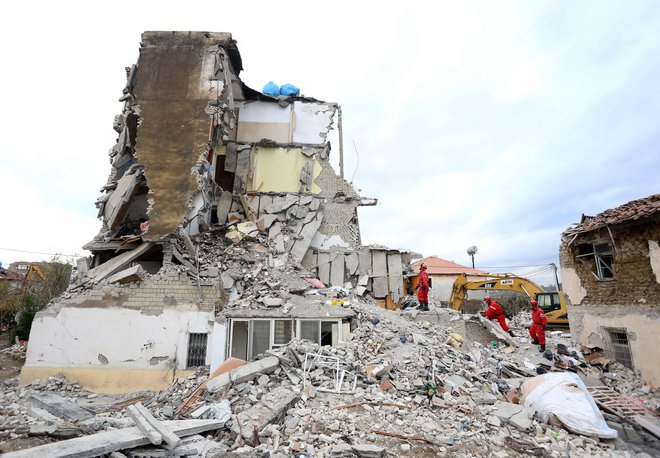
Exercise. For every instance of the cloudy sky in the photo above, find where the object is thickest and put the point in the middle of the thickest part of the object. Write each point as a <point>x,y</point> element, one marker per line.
<point>493,123</point>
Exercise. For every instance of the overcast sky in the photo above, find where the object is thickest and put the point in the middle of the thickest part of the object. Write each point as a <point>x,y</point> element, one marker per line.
<point>494,123</point>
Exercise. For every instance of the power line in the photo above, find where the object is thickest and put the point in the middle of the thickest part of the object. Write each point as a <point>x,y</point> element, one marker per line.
<point>42,252</point>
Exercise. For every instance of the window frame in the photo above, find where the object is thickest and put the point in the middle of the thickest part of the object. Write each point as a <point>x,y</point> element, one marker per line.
<point>190,359</point>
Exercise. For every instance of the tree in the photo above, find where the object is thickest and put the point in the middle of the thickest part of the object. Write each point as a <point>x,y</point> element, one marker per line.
<point>36,295</point>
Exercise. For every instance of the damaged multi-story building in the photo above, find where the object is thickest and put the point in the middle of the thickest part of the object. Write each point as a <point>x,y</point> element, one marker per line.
<point>610,266</point>
<point>220,212</point>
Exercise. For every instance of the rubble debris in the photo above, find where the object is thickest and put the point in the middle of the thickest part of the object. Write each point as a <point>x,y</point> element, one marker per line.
<point>110,441</point>
<point>60,407</point>
<point>243,373</point>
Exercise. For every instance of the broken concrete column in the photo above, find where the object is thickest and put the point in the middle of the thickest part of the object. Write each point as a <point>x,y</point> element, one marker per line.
<point>272,407</point>
<point>135,273</point>
<point>243,374</point>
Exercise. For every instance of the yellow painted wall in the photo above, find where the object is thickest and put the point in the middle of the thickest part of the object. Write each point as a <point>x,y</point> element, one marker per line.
<point>108,380</point>
<point>278,170</point>
<point>641,324</point>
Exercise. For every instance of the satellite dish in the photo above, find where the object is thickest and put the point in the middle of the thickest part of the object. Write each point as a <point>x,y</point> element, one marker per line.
<point>472,250</point>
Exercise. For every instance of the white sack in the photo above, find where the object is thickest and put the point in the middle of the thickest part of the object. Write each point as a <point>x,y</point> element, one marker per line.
<point>565,395</point>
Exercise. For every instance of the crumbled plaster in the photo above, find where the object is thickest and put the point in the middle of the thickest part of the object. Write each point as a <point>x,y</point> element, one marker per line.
<point>572,285</point>
<point>654,257</point>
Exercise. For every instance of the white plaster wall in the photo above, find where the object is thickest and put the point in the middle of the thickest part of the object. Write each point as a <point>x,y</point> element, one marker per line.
<point>642,326</point>
<point>217,347</point>
<point>572,285</point>
<point>75,337</point>
<point>325,242</point>
<point>441,288</point>
<point>443,284</point>
<point>193,226</point>
<point>312,122</point>
<point>267,112</point>
<point>654,258</point>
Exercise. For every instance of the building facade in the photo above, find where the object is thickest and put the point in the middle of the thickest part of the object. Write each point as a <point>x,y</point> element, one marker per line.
<point>610,266</point>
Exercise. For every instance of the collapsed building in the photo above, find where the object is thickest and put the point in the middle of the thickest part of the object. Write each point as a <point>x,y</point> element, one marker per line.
<point>611,273</point>
<point>203,162</point>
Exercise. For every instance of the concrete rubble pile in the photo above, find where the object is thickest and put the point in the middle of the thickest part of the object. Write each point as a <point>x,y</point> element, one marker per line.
<point>423,383</point>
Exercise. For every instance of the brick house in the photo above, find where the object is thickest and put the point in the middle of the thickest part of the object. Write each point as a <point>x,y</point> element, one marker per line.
<point>610,266</point>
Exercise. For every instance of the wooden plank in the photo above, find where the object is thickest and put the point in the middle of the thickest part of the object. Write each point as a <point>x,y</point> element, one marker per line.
<point>165,432</point>
<point>154,436</point>
<point>111,441</point>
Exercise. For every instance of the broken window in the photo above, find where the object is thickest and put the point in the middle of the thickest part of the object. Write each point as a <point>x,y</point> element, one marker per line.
<point>251,337</point>
<point>322,332</point>
<point>260,337</point>
<point>620,346</point>
<point>602,255</point>
<point>196,350</point>
<point>283,332</point>
<point>239,339</point>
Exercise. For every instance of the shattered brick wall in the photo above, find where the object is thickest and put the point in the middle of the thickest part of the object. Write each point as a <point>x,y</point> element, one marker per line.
<point>634,282</point>
<point>151,295</point>
<point>630,302</point>
<point>340,209</point>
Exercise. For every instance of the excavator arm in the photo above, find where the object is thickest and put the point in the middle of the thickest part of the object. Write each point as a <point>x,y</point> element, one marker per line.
<point>552,303</point>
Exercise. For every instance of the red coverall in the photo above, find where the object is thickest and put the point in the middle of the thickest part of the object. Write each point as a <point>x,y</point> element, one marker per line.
<point>423,291</point>
<point>496,312</point>
<point>539,322</point>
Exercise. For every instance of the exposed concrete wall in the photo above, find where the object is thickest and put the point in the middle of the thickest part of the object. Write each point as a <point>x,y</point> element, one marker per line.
<point>117,339</point>
<point>172,90</point>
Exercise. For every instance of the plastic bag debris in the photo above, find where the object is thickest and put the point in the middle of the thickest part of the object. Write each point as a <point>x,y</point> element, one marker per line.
<point>565,396</point>
<point>271,89</point>
<point>289,90</point>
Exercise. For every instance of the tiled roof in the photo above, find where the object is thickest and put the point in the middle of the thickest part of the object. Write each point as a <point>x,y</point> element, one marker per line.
<point>633,210</point>
<point>439,266</point>
<point>9,275</point>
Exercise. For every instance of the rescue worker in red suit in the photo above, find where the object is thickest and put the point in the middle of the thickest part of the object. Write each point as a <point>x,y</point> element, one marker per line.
<point>423,288</point>
<point>496,312</point>
<point>539,322</point>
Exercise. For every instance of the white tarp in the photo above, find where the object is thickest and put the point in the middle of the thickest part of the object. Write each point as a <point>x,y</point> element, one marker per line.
<point>565,395</point>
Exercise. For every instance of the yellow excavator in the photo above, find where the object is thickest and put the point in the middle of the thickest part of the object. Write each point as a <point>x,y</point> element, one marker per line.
<point>553,303</point>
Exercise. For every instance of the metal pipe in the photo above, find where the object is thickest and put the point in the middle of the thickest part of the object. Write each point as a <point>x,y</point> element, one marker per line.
<point>341,142</point>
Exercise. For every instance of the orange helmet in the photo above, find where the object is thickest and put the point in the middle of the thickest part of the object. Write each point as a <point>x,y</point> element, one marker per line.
<point>422,266</point>
<point>533,302</point>
<point>486,298</point>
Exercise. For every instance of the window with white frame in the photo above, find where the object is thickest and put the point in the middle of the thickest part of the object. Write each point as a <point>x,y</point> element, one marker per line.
<point>252,336</point>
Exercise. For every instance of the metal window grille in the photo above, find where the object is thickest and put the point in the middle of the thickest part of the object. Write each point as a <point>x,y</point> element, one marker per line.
<point>196,350</point>
<point>620,347</point>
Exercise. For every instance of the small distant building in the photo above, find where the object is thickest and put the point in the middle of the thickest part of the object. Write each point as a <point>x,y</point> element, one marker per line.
<point>443,274</point>
<point>11,278</point>
<point>610,265</point>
